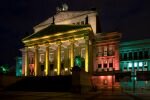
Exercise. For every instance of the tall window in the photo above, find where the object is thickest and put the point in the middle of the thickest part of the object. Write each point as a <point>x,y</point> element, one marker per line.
<point>51,57</point>
<point>105,50</point>
<point>105,65</point>
<point>135,56</point>
<point>99,65</point>
<point>130,66</point>
<point>146,54</point>
<point>110,53</point>
<point>140,66</point>
<point>125,56</point>
<point>111,63</point>
<point>83,53</point>
<point>135,64</point>
<point>42,58</point>
<point>125,67</point>
<point>140,55</point>
<point>62,56</point>
<point>99,51</point>
<point>130,55</point>
<point>145,66</point>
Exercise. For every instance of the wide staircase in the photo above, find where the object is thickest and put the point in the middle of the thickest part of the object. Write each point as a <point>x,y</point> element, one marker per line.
<point>39,83</point>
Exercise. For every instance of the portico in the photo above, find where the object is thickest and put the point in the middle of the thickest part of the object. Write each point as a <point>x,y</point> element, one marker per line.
<point>52,50</point>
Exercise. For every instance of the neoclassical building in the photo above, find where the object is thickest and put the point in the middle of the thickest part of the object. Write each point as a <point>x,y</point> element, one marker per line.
<point>52,48</point>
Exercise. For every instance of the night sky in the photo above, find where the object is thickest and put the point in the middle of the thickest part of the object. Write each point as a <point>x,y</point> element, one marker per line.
<point>17,17</point>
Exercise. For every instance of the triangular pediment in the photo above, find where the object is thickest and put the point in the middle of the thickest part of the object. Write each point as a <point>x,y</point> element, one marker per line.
<point>61,16</point>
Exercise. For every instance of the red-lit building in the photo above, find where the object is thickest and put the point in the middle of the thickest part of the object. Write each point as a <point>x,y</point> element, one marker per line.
<point>106,59</point>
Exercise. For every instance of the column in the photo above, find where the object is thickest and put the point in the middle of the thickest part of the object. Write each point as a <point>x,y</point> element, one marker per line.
<point>36,68</point>
<point>86,53</point>
<point>26,62</point>
<point>47,60</point>
<point>58,57</point>
<point>71,53</point>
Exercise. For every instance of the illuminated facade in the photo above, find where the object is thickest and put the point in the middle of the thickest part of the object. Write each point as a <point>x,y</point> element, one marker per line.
<point>106,59</point>
<point>19,66</point>
<point>135,56</point>
<point>52,48</point>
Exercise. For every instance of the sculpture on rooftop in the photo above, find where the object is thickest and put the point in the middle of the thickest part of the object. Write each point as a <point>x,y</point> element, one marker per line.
<point>63,8</point>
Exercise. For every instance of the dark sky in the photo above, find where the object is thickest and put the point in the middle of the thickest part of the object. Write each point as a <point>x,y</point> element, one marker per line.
<point>17,17</point>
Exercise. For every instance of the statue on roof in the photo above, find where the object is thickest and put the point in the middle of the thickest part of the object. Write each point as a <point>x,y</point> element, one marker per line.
<point>63,8</point>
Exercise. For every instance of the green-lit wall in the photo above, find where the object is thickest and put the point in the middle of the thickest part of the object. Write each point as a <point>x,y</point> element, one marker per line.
<point>135,56</point>
<point>18,66</point>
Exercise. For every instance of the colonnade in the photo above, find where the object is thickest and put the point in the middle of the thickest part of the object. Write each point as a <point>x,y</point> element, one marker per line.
<point>47,62</point>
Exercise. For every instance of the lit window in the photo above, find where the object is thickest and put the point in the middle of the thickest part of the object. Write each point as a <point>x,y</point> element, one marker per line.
<point>66,69</point>
<point>135,64</point>
<point>145,63</point>
<point>130,65</point>
<point>105,50</point>
<point>140,64</point>
<point>42,58</point>
<point>110,50</point>
<point>83,52</point>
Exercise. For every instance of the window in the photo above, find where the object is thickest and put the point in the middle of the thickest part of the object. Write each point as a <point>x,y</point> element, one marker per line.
<point>145,66</point>
<point>130,55</point>
<point>140,64</point>
<point>51,57</point>
<point>51,66</point>
<point>146,54</point>
<point>130,64</point>
<point>135,55</point>
<point>140,55</point>
<point>110,50</point>
<point>99,51</point>
<point>135,64</point>
<point>105,65</point>
<point>42,58</point>
<point>105,50</point>
<point>125,67</point>
<point>83,53</point>
<point>99,65</point>
<point>125,56</point>
<point>145,63</point>
<point>110,62</point>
